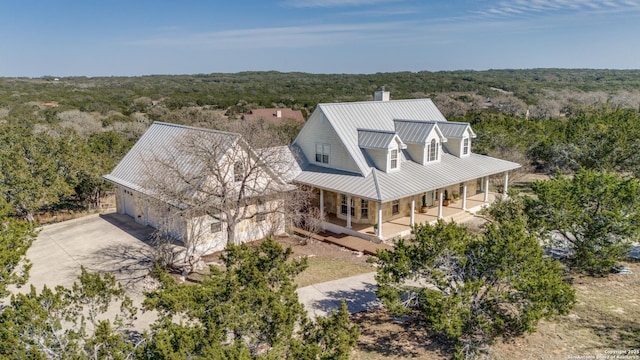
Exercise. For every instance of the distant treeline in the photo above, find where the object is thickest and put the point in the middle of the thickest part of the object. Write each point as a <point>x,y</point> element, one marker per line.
<point>59,135</point>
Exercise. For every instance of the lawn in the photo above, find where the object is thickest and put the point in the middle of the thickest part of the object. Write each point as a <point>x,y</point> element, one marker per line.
<point>322,269</point>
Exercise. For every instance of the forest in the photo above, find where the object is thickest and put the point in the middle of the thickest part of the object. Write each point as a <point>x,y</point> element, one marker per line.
<point>60,135</point>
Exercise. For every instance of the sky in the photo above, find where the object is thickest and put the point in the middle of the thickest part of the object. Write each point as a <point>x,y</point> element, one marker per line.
<point>140,37</point>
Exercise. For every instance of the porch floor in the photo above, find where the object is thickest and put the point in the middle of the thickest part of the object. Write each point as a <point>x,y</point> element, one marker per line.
<point>400,227</point>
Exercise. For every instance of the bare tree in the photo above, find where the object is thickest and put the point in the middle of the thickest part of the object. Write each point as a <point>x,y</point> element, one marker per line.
<point>213,187</point>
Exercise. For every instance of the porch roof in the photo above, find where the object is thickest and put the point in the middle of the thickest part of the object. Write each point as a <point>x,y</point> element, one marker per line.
<point>412,179</point>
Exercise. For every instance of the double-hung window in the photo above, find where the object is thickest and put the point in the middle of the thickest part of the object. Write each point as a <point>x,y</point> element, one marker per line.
<point>465,146</point>
<point>322,153</point>
<point>343,205</point>
<point>364,209</point>
<point>394,159</point>
<point>395,207</point>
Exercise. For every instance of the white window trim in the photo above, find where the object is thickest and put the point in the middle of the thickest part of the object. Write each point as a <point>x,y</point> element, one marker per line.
<point>324,151</point>
<point>466,145</point>
<point>397,159</point>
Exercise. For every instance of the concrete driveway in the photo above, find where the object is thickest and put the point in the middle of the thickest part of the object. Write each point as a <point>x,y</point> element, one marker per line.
<point>358,292</point>
<point>101,243</point>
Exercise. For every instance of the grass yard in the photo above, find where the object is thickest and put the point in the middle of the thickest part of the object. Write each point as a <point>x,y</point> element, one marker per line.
<point>322,269</point>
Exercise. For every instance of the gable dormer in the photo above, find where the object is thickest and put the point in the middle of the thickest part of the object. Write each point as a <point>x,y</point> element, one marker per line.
<point>382,147</point>
<point>423,138</point>
<point>459,135</point>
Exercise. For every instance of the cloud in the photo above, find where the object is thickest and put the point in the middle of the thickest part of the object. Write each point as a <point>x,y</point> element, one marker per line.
<point>278,37</point>
<point>541,7</point>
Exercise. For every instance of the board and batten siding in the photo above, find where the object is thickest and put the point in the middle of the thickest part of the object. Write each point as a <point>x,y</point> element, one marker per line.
<point>318,130</point>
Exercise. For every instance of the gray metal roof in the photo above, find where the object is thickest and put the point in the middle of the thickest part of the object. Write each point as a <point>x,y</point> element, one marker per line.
<point>346,118</point>
<point>375,139</point>
<point>164,143</point>
<point>452,129</point>
<point>412,131</point>
<point>412,179</point>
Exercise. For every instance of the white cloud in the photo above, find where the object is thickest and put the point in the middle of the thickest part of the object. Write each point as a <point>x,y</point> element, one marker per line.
<point>279,37</point>
<point>532,7</point>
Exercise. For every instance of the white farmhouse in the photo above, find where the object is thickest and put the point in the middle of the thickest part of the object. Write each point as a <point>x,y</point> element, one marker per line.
<point>381,166</point>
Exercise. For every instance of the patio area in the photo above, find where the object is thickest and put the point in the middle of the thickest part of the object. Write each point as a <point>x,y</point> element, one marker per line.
<point>401,227</point>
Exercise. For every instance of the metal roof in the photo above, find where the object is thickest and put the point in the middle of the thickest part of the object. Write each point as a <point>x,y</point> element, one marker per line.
<point>452,129</point>
<point>346,118</point>
<point>375,139</point>
<point>412,131</point>
<point>164,143</point>
<point>412,179</point>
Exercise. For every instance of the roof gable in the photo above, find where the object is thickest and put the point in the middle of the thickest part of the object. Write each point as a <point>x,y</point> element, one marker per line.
<point>377,139</point>
<point>456,129</point>
<point>347,118</point>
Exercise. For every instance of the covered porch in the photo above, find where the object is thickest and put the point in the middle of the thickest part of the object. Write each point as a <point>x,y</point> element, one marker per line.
<point>401,227</point>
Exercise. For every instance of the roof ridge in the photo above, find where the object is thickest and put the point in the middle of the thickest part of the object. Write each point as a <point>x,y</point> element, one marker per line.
<point>374,101</point>
<point>196,128</point>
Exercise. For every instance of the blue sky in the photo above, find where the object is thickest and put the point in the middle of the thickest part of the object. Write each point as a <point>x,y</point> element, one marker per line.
<point>139,37</point>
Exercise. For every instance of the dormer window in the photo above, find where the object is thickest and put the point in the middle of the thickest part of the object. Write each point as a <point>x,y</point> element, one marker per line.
<point>394,159</point>
<point>433,151</point>
<point>322,153</point>
<point>465,146</point>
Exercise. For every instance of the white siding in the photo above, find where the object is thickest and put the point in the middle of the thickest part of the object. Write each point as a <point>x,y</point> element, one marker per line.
<point>416,152</point>
<point>454,146</point>
<point>319,130</point>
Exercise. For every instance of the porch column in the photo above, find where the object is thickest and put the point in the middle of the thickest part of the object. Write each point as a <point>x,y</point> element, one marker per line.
<point>380,220</point>
<point>440,195</point>
<point>348,211</point>
<point>464,196</point>
<point>486,189</point>
<point>413,210</point>
<point>322,209</point>
<point>506,183</point>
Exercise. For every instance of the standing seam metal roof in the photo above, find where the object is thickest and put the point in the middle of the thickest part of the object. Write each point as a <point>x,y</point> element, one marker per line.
<point>162,143</point>
<point>412,179</point>
<point>346,118</point>
<point>375,139</point>
<point>412,131</point>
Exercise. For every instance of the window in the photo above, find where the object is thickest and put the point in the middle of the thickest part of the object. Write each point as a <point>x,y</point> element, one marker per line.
<point>394,159</point>
<point>353,209</point>
<point>465,146</point>
<point>364,209</point>
<point>260,211</point>
<point>343,205</point>
<point>216,227</point>
<point>395,207</point>
<point>433,150</point>
<point>322,153</point>
<point>238,171</point>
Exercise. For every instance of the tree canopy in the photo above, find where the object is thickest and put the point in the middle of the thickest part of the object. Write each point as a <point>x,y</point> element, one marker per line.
<point>470,288</point>
<point>594,215</point>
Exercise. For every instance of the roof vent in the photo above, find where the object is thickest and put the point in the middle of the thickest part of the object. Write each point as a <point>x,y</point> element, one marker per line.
<point>381,95</point>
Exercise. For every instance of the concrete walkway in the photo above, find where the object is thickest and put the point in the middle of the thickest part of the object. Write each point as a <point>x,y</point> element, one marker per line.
<point>359,292</point>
